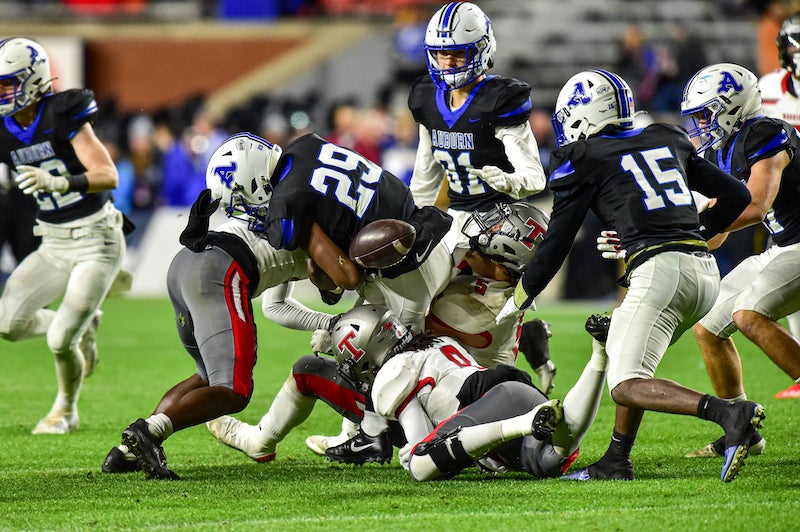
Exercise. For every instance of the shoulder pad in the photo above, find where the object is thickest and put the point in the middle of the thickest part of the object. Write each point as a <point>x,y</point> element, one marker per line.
<point>394,383</point>
<point>563,164</point>
<point>74,107</point>
<point>421,91</point>
<point>771,84</point>
<point>677,132</point>
<point>765,137</point>
<point>513,103</point>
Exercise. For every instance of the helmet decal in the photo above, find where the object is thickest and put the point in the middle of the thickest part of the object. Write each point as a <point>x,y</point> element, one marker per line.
<point>728,82</point>
<point>579,96</point>
<point>225,173</point>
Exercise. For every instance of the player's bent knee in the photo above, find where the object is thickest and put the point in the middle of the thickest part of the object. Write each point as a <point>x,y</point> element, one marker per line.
<point>747,321</point>
<point>422,468</point>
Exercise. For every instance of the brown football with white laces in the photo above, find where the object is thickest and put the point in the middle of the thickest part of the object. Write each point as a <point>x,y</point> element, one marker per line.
<point>382,243</point>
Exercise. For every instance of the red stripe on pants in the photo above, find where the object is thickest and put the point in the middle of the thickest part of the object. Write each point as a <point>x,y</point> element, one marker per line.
<point>243,328</point>
<point>326,389</point>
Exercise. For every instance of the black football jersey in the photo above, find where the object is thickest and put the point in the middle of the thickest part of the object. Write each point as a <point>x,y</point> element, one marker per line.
<point>759,139</point>
<point>464,138</point>
<point>341,190</point>
<point>46,144</point>
<point>638,183</point>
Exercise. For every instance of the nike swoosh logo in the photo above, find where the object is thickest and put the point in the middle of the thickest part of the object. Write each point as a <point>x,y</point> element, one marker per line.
<point>473,120</point>
<point>419,256</point>
<point>356,448</point>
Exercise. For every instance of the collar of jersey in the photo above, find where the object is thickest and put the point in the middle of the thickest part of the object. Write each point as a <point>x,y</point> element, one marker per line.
<point>450,116</point>
<point>25,135</point>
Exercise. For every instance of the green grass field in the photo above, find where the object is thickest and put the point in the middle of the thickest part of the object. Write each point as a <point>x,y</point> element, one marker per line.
<point>55,482</point>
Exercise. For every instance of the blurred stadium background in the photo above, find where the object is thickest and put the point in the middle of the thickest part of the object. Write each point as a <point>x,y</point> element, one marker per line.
<point>175,77</point>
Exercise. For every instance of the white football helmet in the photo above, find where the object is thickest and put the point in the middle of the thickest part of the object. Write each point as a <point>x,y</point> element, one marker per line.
<point>239,173</point>
<point>24,74</point>
<point>459,26</point>
<point>720,99</point>
<point>590,101</point>
<point>788,42</point>
<point>508,234</point>
<point>363,339</point>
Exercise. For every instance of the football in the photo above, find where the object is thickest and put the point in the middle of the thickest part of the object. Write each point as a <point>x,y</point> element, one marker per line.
<point>382,243</point>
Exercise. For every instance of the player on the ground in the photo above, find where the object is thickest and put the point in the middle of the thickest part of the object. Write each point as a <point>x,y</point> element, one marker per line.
<point>503,240</point>
<point>48,139</point>
<point>725,102</point>
<point>638,181</point>
<point>780,96</point>
<point>453,412</point>
<point>474,132</point>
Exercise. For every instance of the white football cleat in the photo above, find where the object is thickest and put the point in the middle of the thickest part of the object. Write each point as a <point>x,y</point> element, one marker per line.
<point>88,345</point>
<point>57,423</point>
<point>242,437</point>
<point>319,444</point>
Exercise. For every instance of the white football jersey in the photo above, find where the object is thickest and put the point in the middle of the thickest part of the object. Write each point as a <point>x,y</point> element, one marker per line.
<point>470,305</point>
<point>275,266</point>
<point>434,375</point>
<point>779,96</point>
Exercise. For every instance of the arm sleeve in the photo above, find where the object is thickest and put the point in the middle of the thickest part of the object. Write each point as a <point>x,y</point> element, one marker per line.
<point>428,174</point>
<point>569,209</point>
<point>522,151</point>
<point>731,194</point>
<point>279,306</point>
<point>415,422</point>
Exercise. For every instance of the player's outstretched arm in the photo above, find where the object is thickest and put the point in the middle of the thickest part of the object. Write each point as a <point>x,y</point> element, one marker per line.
<point>101,172</point>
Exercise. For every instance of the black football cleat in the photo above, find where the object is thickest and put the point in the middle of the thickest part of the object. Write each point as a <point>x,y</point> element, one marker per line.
<point>743,420</point>
<point>597,325</point>
<point>148,451</point>
<point>117,462</point>
<point>600,470</point>
<point>362,448</point>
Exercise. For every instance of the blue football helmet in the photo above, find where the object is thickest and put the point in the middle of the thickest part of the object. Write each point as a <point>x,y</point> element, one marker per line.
<point>720,99</point>
<point>24,74</point>
<point>590,101</point>
<point>239,173</point>
<point>459,27</point>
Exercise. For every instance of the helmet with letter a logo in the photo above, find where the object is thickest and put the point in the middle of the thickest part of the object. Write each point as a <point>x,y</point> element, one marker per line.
<point>364,338</point>
<point>24,74</point>
<point>239,173</point>
<point>590,101</point>
<point>508,234</point>
<point>720,99</point>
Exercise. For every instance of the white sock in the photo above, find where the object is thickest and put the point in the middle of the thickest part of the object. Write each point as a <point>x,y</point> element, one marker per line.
<point>737,399</point>
<point>349,428</point>
<point>69,375</point>
<point>288,409</point>
<point>373,424</point>
<point>479,439</point>
<point>160,426</point>
<point>581,403</point>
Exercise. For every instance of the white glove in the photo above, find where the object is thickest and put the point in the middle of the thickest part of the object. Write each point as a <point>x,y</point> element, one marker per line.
<point>321,341</point>
<point>494,177</point>
<point>509,309</point>
<point>31,179</point>
<point>609,246</point>
<point>405,455</point>
<point>701,201</point>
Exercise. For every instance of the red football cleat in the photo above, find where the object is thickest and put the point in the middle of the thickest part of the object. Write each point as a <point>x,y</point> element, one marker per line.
<point>792,392</point>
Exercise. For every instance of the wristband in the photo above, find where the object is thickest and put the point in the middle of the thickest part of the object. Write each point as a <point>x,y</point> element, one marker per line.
<point>78,183</point>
